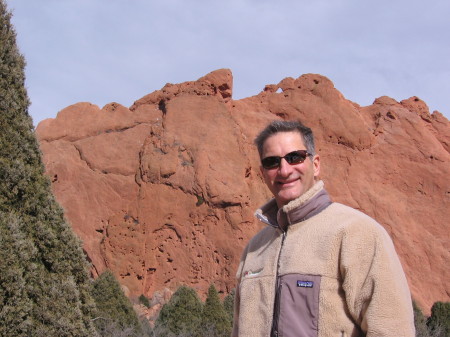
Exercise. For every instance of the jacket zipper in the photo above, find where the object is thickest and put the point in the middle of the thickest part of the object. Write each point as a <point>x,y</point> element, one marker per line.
<point>278,286</point>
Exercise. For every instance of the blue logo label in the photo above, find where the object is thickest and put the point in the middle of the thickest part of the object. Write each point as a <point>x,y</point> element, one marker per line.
<point>305,284</point>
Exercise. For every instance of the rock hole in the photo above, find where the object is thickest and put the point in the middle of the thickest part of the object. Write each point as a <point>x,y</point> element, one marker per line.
<point>390,115</point>
<point>162,106</point>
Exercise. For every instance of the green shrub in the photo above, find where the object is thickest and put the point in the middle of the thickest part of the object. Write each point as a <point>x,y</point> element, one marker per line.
<point>44,283</point>
<point>215,319</point>
<point>185,315</point>
<point>228,305</point>
<point>439,321</point>
<point>114,310</point>
<point>437,325</point>
<point>144,300</point>
<point>420,321</point>
<point>181,316</point>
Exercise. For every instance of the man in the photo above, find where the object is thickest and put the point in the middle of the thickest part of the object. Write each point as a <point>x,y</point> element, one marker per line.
<point>318,268</point>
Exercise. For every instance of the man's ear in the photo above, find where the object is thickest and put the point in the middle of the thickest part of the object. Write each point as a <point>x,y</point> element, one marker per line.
<point>316,165</point>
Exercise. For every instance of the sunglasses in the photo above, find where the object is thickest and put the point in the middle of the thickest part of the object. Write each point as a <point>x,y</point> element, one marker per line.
<point>294,157</point>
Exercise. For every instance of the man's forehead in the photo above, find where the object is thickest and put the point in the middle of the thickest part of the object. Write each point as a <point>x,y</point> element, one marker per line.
<point>281,135</point>
<point>284,138</point>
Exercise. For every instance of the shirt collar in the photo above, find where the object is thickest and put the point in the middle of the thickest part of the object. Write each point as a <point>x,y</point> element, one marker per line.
<point>305,206</point>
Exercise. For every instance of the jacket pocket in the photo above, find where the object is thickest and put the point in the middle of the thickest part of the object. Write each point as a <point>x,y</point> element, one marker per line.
<point>298,305</point>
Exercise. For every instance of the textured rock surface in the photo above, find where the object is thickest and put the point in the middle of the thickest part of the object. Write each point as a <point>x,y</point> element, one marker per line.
<point>163,193</point>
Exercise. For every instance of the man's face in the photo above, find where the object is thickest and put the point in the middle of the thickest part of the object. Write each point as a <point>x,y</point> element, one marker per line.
<point>288,182</point>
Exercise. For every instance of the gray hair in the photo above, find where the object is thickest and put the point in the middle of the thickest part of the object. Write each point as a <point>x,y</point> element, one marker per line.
<point>286,126</point>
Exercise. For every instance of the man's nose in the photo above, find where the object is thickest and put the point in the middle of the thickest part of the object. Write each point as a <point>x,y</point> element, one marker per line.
<point>285,168</point>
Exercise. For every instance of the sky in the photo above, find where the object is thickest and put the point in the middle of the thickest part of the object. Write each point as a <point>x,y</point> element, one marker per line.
<point>103,51</point>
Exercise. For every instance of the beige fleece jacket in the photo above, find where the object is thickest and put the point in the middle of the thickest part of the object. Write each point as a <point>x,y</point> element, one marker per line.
<point>363,289</point>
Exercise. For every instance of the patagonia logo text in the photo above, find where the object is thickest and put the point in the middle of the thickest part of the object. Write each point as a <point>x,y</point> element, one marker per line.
<point>305,284</point>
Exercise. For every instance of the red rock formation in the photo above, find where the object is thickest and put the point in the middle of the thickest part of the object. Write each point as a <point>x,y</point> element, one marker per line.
<point>163,193</point>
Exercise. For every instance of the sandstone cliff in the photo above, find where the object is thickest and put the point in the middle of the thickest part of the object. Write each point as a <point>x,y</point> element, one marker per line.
<point>163,192</point>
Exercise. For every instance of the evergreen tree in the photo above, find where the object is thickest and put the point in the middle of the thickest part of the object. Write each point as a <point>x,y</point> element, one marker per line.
<point>228,305</point>
<point>215,320</point>
<point>144,300</point>
<point>439,321</point>
<point>181,316</point>
<point>44,284</point>
<point>114,311</point>
<point>420,321</point>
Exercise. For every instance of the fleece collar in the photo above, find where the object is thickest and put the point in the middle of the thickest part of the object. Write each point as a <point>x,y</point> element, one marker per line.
<point>305,206</point>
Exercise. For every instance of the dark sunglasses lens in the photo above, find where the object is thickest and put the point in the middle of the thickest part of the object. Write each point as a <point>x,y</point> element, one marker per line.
<point>270,162</point>
<point>296,157</point>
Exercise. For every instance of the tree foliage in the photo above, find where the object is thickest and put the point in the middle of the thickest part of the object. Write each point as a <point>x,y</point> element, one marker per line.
<point>185,315</point>
<point>437,325</point>
<point>44,284</point>
<point>439,321</point>
<point>215,319</point>
<point>228,305</point>
<point>420,321</point>
<point>114,310</point>
<point>144,300</point>
<point>181,316</point>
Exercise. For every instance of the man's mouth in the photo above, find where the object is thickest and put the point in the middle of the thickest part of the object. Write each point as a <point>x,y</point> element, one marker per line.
<point>287,182</point>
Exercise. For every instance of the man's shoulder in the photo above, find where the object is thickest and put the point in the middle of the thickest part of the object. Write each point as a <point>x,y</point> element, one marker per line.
<point>264,236</point>
<point>351,219</point>
<point>265,233</point>
<point>339,209</point>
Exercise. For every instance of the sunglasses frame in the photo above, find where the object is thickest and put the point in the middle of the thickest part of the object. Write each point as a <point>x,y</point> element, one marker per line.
<point>303,154</point>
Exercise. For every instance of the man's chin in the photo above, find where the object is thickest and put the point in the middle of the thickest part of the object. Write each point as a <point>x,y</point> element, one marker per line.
<point>288,196</point>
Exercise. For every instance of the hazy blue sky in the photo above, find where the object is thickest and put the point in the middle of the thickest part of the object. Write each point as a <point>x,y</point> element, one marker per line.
<point>103,51</point>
